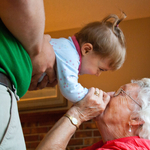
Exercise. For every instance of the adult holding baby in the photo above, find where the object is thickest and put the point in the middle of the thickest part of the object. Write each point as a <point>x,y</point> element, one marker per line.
<point>22,55</point>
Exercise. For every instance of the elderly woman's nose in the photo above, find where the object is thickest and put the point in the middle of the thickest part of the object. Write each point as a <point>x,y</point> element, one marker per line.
<point>111,93</point>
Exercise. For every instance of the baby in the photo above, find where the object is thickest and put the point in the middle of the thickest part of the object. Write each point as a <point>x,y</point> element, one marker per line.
<point>97,47</point>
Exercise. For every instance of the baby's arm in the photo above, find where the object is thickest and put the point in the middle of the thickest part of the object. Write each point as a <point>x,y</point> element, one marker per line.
<point>67,74</point>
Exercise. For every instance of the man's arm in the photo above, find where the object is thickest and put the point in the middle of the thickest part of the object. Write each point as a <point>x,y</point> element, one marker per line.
<point>88,108</point>
<point>25,19</point>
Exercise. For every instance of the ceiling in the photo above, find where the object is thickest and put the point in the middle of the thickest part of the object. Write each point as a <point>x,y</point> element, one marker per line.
<point>70,14</point>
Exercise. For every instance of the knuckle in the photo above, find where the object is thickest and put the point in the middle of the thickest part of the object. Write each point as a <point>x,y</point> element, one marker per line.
<point>100,91</point>
<point>43,69</point>
<point>92,88</point>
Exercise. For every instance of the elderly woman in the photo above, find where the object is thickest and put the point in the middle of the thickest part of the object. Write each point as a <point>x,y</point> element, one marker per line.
<point>123,120</point>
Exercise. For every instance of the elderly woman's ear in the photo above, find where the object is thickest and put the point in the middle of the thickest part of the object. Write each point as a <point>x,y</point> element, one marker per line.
<point>136,122</point>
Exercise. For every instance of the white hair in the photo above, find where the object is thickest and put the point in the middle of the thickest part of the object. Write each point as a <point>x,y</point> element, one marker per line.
<point>144,112</point>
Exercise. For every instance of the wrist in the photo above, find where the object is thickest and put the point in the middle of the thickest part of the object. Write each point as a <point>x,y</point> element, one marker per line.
<point>73,120</point>
<point>73,112</point>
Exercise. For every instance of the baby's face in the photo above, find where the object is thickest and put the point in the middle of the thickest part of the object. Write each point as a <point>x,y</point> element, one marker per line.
<point>93,64</point>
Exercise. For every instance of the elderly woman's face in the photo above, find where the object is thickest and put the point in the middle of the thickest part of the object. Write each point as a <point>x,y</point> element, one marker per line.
<point>116,116</point>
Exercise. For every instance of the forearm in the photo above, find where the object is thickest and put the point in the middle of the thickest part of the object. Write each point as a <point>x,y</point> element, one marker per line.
<point>73,91</point>
<point>67,75</point>
<point>25,19</point>
<point>59,136</point>
<point>86,109</point>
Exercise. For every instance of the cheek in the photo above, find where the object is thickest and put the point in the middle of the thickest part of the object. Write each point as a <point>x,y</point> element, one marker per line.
<point>113,116</point>
<point>116,112</point>
<point>90,70</point>
<point>94,70</point>
<point>120,109</point>
<point>114,109</point>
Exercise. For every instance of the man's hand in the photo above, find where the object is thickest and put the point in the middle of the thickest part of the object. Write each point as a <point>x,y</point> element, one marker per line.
<point>44,62</point>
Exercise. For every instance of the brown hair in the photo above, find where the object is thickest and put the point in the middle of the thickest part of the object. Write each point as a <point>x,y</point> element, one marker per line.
<point>107,39</point>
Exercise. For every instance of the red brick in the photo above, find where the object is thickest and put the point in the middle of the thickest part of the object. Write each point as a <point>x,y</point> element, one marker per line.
<point>41,136</point>
<point>79,147</point>
<point>29,124</point>
<point>27,145</point>
<point>96,133</point>
<point>70,148</point>
<point>31,138</point>
<point>79,134</point>
<point>34,144</point>
<point>41,116</point>
<point>90,141</point>
<point>76,142</point>
<point>80,127</point>
<point>39,130</point>
<point>48,123</point>
<point>90,125</point>
<point>36,126</point>
<point>26,130</point>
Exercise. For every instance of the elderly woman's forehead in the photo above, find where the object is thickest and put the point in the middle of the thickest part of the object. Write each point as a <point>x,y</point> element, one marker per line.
<point>130,86</point>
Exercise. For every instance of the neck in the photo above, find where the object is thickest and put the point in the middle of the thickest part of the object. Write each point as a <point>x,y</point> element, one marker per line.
<point>109,133</point>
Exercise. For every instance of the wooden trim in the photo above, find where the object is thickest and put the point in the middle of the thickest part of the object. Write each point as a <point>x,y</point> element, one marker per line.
<point>38,102</point>
<point>41,116</point>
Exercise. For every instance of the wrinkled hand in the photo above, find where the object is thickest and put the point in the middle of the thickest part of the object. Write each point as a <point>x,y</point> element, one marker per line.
<point>91,106</point>
<point>44,62</point>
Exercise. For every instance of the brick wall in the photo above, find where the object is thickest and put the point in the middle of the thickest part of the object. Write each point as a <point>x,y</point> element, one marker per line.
<point>36,125</point>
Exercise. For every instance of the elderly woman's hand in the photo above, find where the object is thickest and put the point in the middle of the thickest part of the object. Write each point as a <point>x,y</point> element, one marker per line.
<point>91,106</point>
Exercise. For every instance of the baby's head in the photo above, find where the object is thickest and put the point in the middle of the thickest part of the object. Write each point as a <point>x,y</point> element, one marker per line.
<point>106,38</point>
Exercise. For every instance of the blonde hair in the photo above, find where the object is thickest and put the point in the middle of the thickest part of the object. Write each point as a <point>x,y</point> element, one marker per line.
<point>107,39</point>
